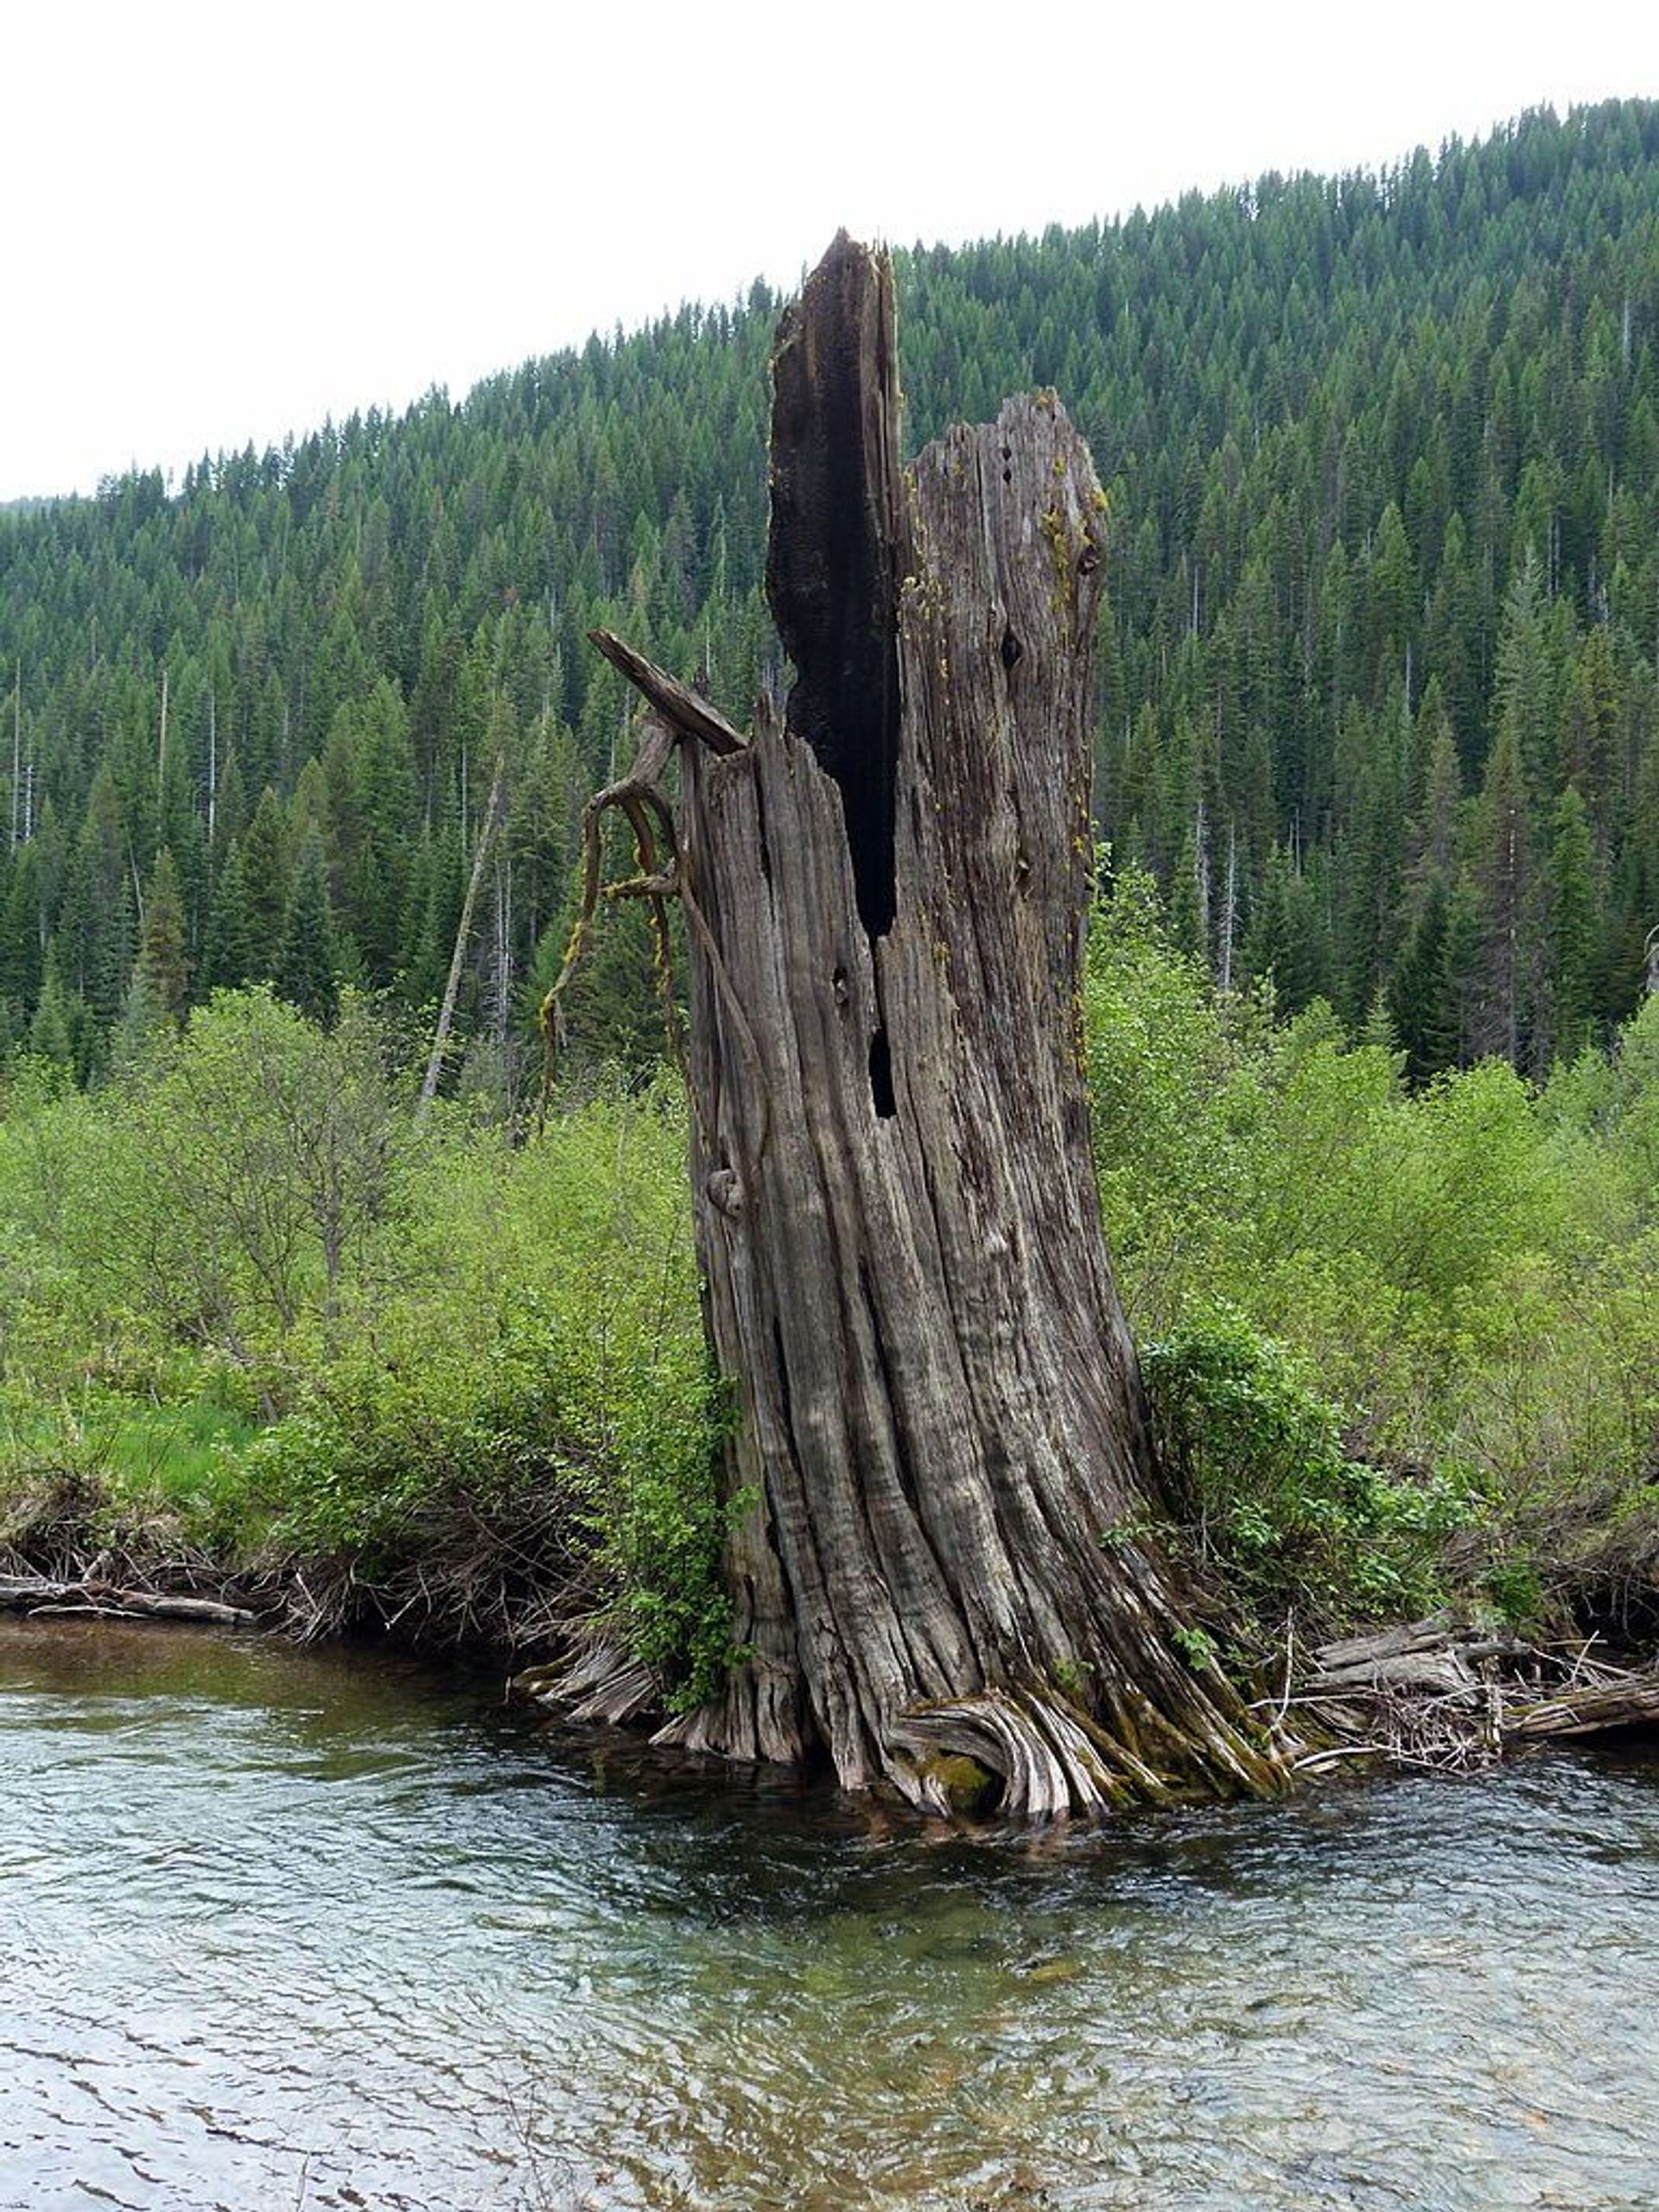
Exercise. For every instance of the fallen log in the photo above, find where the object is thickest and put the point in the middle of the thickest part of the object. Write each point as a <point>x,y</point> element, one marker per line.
<point>31,1594</point>
<point>1441,1655</point>
<point>1593,1711</point>
<point>1445,1693</point>
<point>1355,1653</point>
<point>1444,1674</point>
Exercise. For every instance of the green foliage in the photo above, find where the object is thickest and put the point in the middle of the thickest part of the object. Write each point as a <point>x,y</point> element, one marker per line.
<point>231,953</point>
<point>1278,1507</point>
<point>449,1368</point>
<point>1471,1268</point>
<point>250,1302</point>
<point>1515,1589</point>
<point>307,969</point>
<point>560,1436</point>
<point>1197,1647</point>
<point>228,1188</point>
<point>101,1472</point>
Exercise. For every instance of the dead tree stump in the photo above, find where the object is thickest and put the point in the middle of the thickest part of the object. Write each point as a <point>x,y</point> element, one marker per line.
<point>942,1424</point>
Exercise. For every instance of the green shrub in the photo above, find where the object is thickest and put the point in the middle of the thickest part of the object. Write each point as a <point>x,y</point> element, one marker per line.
<point>527,1421</point>
<point>1275,1506</point>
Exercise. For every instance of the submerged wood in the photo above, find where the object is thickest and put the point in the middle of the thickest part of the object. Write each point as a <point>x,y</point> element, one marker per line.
<point>943,1455</point>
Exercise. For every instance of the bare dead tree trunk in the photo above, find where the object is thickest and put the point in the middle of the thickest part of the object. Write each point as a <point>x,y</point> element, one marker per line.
<point>17,750</point>
<point>463,936</point>
<point>942,1424</point>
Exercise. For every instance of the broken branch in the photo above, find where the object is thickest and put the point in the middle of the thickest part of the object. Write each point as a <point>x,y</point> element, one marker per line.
<point>686,715</point>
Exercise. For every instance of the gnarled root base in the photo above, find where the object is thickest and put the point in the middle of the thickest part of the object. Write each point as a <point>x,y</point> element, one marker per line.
<point>601,1682</point>
<point>1050,1758</point>
<point>1033,1753</point>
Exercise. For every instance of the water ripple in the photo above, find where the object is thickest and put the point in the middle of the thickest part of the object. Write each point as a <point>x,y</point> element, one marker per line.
<point>289,1929</point>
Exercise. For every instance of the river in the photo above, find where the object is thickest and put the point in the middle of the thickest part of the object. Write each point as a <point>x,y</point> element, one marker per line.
<point>292,1930</point>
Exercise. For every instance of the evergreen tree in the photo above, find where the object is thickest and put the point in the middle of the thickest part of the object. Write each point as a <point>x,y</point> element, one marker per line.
<point>21,949</point>
<point>1502,878</point>
<point>266,874</point>
<point>1190,894</point>
<point>142,1021</point>
<point>1287,938</point>
<point>1423,994</point>
<point>306,973</point>
<point>1575,904</point>
<point>163,965</point>
<point>1432,843</point>
<point>51,1033</point>
<point>230,955</point>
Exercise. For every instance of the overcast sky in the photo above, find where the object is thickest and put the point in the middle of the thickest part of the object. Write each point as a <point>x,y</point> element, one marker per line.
<point>225,221</point>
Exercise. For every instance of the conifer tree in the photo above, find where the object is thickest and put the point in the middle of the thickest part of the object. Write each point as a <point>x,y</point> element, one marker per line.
<point>264,866</point>
<point>1423,995</point>
<point>1189,892</point>
<point>142,1020</point>
<point>230,955</point>
<point>1575,906</point>
<point>21,951</point>
<point>51,1033</point>
<point>1502,879</point>
<point>306,973</point>
<point>1432,843</point>
<point>163,963</point>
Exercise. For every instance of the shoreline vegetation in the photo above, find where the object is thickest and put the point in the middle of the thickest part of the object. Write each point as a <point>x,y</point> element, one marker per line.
<point>297,754</point>
<point>358,1368</point>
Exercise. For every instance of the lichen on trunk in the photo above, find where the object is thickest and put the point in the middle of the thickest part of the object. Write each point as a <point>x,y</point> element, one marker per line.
<point>942,1420</point>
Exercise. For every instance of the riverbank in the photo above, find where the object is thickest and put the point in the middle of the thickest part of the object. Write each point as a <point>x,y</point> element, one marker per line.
<point>436,1381</point>
<point>1445,1693</point>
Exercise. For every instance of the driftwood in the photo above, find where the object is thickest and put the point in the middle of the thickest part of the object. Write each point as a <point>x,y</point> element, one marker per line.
<point>36,1594</point>
<point>1443,1693</point>
<point>944,1446</point>
<point>1632,1701</point>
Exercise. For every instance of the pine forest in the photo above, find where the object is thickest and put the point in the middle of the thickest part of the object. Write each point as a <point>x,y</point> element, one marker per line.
<point>1377,690</point>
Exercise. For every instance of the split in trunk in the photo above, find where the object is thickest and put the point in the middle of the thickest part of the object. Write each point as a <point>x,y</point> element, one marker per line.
<point>942,1422</point>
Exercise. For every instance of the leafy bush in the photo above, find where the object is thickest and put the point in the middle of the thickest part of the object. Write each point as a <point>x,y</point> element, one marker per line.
<point>506,1495</point>
<point>476,1368</point>
<point>525,1427</point>
<point>1473,1267</point>
<point>1277,1508</point>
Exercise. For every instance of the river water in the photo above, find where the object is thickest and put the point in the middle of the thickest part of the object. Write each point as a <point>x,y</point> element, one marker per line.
<point>283,1931</point>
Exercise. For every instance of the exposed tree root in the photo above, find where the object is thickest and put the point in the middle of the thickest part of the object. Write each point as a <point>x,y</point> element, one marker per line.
<point>600,1682</point>
<point>1050,1758</point>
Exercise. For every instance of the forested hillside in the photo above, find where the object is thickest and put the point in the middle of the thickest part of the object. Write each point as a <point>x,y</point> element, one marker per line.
<point>1378,698</point>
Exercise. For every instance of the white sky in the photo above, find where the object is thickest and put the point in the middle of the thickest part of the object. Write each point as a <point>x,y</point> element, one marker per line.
<point>224,220</point>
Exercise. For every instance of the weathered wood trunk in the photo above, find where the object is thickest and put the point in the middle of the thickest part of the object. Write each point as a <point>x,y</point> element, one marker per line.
<point>941,1426</point>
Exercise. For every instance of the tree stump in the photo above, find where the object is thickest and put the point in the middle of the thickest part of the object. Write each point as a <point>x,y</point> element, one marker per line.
<point>942,1429</point>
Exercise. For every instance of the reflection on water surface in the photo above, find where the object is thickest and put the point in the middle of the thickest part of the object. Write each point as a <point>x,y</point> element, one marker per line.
<point>291,1929</point>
